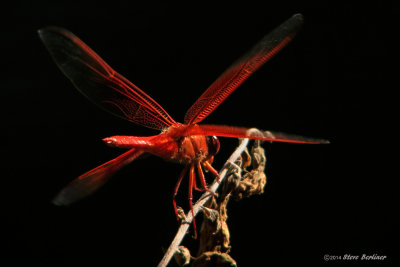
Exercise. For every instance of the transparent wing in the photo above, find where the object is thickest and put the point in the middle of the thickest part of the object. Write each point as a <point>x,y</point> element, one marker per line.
<point>239,132</point>
<point>94,78</point>
<point>89,182</point>
<point>240,70</point>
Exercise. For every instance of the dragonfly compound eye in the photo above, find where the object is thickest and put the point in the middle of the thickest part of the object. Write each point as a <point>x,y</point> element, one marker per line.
<point>213,145</point>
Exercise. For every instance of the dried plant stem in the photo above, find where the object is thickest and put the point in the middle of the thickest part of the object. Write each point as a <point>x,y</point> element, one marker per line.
<point>202,200</point>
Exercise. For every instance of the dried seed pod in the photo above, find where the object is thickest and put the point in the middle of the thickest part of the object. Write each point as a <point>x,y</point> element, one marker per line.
<point>182,256</point>
<point>254,181</point>
<point>208,259</point>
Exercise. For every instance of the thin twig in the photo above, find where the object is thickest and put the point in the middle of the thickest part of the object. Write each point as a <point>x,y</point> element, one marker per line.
<point>202,200</point>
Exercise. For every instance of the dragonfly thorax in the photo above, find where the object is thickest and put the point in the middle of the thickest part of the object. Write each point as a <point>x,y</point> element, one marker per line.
<point>196,148</point>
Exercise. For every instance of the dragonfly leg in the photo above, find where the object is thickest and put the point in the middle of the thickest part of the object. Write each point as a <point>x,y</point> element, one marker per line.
<point>195,186</point>
<point>212,170</point>
<point>202,179</point>
<point>176,190</point>
<point>192,177</point>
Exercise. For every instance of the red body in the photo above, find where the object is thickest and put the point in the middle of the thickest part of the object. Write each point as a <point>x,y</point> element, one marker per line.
<point>171,145</point>
<point>190,143</point>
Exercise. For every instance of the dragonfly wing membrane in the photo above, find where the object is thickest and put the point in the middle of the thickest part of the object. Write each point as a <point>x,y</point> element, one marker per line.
<point>240,132</point>
<point>242,68</point>
<point>95,79</point>
<point>89,182</point>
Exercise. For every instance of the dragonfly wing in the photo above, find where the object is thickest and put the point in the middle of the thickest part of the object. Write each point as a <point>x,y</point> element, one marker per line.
<point>92,180</point>
<point>240,70</point>
<point>94,78</point>
<point>239,132</point>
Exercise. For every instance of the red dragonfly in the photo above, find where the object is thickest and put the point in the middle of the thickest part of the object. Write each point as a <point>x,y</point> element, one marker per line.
<point>187,143</point>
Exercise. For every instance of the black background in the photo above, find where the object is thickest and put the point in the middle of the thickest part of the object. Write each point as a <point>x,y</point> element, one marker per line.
<point>330,82</point>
